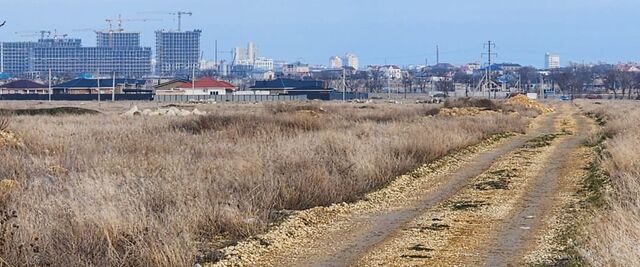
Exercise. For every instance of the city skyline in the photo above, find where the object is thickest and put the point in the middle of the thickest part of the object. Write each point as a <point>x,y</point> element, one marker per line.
<point>402,33</point>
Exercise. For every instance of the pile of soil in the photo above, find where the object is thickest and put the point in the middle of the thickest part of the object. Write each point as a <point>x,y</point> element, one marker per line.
<point>526,102</point>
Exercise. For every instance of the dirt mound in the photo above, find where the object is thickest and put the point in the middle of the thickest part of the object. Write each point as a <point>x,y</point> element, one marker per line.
<point>529,103</point>
<point>172,111</point>
<point>456,112</point>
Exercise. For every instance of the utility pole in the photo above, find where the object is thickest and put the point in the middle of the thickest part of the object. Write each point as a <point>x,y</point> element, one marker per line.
<point>98,80</point>
<point>344,85</point>
<point>489,45</point>
<point>49,85</point>
<point>1,56</point>
<point>113,88</point>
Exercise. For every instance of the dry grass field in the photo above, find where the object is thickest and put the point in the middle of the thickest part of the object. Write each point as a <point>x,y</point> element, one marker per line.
<point>108,190</point>
<point>614,235</point>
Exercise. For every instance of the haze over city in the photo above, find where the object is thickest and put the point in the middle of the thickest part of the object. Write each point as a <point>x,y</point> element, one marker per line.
<point>395,32</point>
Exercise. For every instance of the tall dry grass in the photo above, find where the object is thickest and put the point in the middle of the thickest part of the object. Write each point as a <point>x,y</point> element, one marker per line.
<point>4,123</point>
<point>613,238</point>
<point>103,190</point>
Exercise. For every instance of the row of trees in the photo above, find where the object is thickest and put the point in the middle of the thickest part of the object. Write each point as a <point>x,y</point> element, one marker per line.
<point>582,79</point>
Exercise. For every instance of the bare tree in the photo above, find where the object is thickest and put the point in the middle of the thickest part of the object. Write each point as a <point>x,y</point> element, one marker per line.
<point>445,85</point>
<point>527,75</point>
<point>572,80</point>
<point>375,82</point>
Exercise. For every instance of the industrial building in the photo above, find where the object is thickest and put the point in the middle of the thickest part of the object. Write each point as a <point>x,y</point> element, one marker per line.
<point>177,52</point>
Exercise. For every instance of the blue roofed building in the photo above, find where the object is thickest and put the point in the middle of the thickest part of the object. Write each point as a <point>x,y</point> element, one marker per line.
<point>104,86</point>
<point>313,89</point>
<point>23,87</point>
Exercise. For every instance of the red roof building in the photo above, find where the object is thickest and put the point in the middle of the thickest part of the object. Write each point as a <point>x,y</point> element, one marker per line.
<point>204,86</point>
<point>207,82</point>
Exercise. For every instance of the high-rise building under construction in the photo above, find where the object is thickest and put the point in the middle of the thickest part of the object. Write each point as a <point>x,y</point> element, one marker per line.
<point>118,52</point>
<point>177,52</point>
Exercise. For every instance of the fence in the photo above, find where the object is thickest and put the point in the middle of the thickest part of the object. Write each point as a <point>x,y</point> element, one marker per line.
<point>229,98</point>
<point>79,97</point>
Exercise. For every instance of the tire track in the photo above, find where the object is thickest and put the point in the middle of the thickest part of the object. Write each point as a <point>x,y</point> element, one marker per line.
<point>493,220</point>
<point>520,230</point>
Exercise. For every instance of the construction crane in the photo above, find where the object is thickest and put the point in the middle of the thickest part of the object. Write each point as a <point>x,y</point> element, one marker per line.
<point>179,14</point>
<point>119,21</point>
<point>42,33</point>
<point>56,35</point>
<point>176,13</point>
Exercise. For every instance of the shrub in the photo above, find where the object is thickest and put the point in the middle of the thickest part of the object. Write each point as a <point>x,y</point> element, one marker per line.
<point>471,103</point>
<point>4,123</point>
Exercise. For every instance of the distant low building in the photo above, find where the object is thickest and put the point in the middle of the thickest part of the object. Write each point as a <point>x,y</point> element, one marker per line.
<point>392,72</point>
<point>104,86</point>
<point>627,68</point>
<point>470,68</point>
<point>296,70</point>
<point>263,75</point>
<point>171,84</point>
<point>289,86</point>
<point>24,87</point>
<point>204,86</point>
<point>313,89</point>
<point>509,67</point>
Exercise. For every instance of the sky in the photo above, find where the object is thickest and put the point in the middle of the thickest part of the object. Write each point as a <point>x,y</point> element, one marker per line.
<point>401,32</point>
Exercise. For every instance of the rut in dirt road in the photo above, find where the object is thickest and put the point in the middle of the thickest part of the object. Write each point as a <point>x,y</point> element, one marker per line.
<point>518,232</point>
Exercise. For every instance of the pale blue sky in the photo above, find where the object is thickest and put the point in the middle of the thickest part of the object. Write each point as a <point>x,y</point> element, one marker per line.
<point>402,31</point>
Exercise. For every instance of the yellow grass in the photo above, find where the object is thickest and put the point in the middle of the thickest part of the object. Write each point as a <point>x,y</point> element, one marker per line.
<point>107,190</point>
<point>614,234</point>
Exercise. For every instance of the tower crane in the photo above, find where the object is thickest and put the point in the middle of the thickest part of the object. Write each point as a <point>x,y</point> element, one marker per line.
<point>179,14</point>
<point>34,33</point>
<point>119,20</point>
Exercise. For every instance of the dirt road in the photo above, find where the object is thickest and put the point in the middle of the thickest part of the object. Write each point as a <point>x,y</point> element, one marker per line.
<point>499,203</point>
